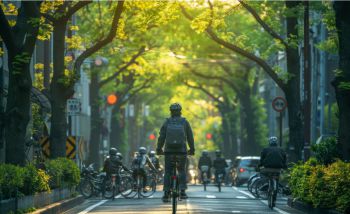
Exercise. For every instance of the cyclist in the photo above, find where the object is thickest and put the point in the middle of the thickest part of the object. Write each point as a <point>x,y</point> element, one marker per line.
<point>154,159</point>
<point>113,163</point>
<point>138,165</point>
<point>219,165</point>
<point>273,159</point>
<point>204,160</point>
<point>173,135</point>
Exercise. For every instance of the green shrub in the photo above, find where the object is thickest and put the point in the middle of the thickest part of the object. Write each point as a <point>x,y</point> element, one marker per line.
<point>320,185</point>
<point>326,152</point>
<point>11,179</point>
<point>35,180</point>
<point>64,173</point>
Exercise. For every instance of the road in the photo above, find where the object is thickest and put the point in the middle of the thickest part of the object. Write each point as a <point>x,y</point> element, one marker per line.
<point>230,200</point>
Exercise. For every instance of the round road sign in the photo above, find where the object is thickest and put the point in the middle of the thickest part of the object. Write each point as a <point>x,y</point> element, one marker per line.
<point>279,104</point>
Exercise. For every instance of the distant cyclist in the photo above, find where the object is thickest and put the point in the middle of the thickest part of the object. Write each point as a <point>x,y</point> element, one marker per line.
<point>219,165</point>
<point>205,160</point>
<point>138,166</point>
<point>154,159</point>
<point>273,158</point>
<point>173,135</point>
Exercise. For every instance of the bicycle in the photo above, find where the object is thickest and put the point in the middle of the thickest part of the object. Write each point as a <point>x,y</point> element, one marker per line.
<point>273,176</point>
<point>205,179</point>
<point>174,187</point>
<point>113,186</point>
<point>147,190</point>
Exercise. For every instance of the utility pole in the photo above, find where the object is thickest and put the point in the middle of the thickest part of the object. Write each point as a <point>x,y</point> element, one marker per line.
<point>307,81</point>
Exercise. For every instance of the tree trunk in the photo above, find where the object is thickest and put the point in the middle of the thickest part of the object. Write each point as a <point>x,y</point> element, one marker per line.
<point>115,136</point>
<point>250,147</point>
<point>58,94</point>
<point>18,107</point>
<point>292,90</point>
<point>341,81</point>
<point>233,117</point>
<point>95,128</point>
<point>225,132</point>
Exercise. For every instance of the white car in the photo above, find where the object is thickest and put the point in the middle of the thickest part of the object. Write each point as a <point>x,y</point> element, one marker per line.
<point>243,168</point>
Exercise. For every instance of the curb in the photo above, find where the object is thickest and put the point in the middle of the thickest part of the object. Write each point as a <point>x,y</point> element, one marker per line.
<point>308,208</point>
<point>60,206</point>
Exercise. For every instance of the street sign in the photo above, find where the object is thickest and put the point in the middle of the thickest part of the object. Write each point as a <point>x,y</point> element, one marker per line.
<point>73,107</point>
<point>70,147</point>
<point>279,104</point>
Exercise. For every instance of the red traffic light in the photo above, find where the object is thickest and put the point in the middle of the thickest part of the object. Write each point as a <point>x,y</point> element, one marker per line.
<point>209,136</point>
<point>112,99</point>
<point>152,137</point>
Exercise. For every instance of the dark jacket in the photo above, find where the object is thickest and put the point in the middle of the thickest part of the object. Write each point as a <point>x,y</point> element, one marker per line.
<point>140,162</point>
<point>273,157</point>
<point>204,161</point>
<point>112,165</point>
<point>155,162</point>
<point>189,138</point>
<point>220,164</point>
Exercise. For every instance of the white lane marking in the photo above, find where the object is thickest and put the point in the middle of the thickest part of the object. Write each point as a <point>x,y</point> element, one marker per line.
<point>211,196</point>
<point>275,208</point>
<point>251,196</point>
<point>236,211</point>
<point>92,207</point>
<point>117,196</point>
<point>241,197</point>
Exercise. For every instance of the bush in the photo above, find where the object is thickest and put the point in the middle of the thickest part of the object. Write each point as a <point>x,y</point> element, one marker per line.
<point>320,185</point>
<point>64,173</point>
<point>11,179</point>
<point>35,180</point>
<point>326,152</point>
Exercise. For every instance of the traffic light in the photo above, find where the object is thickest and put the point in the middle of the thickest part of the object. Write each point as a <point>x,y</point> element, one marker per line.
<point>208,136</point>
<point>152,137</point>
<point>112,99</point>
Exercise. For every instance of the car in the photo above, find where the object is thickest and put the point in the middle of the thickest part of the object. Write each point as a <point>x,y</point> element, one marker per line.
<point>243,168</point>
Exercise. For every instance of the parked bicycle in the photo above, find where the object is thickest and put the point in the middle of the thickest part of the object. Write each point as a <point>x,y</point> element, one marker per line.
<point>91,182</point>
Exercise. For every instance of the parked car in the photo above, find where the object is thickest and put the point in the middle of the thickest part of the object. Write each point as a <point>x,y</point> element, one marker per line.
<point>243,168</point>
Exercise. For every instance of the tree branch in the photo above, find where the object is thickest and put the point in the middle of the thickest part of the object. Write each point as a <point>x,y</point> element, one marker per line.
<point>263,24</point>
<point>97,46</point>
<point>6,31</point>
<point>240,51</point>
<point>203,90</point>
<point>123,68</point>
<point>77,7</point>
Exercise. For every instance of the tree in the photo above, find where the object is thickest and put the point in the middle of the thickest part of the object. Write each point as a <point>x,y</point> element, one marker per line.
<point>341,81</point>
<point>20,42</point>
<point>211,18</point>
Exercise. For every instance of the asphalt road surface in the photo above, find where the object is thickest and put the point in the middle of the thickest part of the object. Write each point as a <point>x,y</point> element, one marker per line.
<point>230,200</point>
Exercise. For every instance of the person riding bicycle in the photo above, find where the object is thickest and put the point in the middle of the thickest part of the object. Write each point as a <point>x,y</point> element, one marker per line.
<point>273,159</point>
<point>154,159</point>
<point>219,165</point>
<point>113,163</point>
<point>138,166</point>
<point>204,160</point>
<point>173,135</point>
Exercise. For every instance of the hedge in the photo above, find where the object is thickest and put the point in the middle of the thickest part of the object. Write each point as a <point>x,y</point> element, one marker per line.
<point>320,185</point>
<point>29,180</point>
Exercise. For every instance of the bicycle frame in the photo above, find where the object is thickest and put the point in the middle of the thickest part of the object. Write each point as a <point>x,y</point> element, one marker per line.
<point>174,191</point>
<point>272,191</point>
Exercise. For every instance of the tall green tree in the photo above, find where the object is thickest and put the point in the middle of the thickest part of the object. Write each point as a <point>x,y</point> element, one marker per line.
<point>341,81</point>
<point>20,42</point>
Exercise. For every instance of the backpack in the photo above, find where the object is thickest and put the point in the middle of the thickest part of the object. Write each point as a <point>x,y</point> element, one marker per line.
<point>175,133</point>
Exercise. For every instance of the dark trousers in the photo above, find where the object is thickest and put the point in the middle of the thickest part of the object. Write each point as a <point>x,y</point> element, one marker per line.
<point>142,173</point>
<point>220,171</point>
<point>181,168</point>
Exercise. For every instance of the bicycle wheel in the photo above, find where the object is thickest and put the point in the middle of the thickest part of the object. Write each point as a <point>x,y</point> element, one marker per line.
<point>150,187</point>
<point>126,187</point>
<point>86,188</point>
<point>269,199</point>
<point>175,195</point>
<point>261,188</point>
<point>108,192</point>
